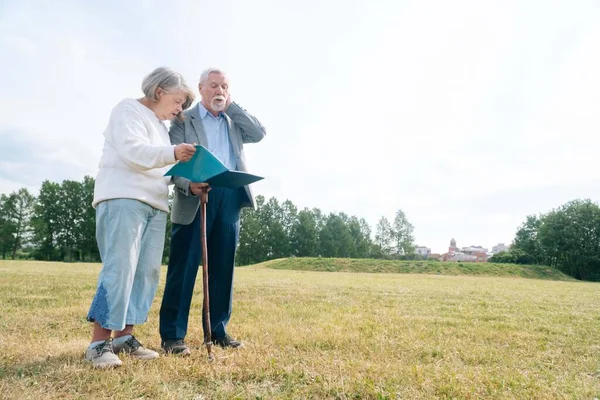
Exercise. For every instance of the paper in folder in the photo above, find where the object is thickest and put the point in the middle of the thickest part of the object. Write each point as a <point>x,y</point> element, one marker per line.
<point>205,167</point>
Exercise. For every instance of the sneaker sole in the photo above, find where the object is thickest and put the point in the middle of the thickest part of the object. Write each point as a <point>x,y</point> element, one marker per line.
<point>239,346</point>
<point>107,365</point>
<point>182,353</point>
<point>146,357</point>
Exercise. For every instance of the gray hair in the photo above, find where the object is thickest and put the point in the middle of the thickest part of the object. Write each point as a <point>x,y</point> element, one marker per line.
<point>168,81</point>
<point>207,72</point>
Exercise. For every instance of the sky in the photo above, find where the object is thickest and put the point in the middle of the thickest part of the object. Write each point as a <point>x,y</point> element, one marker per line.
<point>466,115</point>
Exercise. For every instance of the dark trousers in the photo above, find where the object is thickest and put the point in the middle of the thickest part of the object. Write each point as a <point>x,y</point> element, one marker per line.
<point>222,233</point>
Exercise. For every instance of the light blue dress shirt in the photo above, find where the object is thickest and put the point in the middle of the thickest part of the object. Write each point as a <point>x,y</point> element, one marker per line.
<point>217,136</point>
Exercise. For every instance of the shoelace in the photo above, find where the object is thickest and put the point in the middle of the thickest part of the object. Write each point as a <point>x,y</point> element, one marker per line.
<point>133,343</point>
<point>105,347</point>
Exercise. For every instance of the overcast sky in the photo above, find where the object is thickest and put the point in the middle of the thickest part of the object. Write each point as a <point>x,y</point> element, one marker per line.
<point>467,115</point>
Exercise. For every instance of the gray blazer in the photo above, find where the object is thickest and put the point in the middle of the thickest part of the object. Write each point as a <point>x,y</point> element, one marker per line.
<point>243,128</point>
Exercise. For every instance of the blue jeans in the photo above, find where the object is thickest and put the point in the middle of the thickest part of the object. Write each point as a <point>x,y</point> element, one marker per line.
<point>131,238</point>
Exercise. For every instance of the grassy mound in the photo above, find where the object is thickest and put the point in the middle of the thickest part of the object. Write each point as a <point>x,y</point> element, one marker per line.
<point>416,267</point>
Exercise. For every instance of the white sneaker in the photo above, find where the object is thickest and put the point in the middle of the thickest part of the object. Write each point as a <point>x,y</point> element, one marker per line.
<point>134,348</point>
<point>102,355</point>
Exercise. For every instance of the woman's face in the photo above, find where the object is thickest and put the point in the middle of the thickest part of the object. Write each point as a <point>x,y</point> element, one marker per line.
<point>169,104</point>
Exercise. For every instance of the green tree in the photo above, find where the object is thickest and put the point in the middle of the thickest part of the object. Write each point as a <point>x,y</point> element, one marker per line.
<point>7,226</point>
<point>367,250</point>
<point>289,216</point>
<point>45,221</point>
<point>526,238</point>
<point>304,235</point>
<point>335,238</point>
<point>383,238</point>
<point>570,238</point>
<point>276,240</point>
<point>513,256</point>
<point>251,245</point>
<point>402,235</point>
<point>70,216</point>
<point>22,209</point>
<point>345,241</point>
<point>85,229</point>
<point>320,219</point>
<point>361,237</point>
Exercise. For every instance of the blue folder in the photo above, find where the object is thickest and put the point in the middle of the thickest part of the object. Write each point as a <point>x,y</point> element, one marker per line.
<point>205,167</point>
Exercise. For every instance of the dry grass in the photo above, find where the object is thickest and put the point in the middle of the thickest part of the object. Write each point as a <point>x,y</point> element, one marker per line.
<point>317,335</point>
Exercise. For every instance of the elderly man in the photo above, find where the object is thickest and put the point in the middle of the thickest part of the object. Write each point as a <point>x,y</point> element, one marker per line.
<point>222,127</point>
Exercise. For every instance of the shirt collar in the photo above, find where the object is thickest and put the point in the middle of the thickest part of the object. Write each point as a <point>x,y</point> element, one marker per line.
<point>204,112</point>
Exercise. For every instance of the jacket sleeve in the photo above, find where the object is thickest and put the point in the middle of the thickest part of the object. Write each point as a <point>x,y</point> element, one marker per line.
<point>252,130</point>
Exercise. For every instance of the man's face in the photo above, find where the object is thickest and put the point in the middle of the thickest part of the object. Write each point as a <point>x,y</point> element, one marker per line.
<point>215,92</point>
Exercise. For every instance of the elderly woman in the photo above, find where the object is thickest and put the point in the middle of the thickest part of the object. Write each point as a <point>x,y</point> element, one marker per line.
<point>131,202</point>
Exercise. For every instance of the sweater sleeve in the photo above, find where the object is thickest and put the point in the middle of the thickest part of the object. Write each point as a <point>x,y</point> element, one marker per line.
<point>129,136</point>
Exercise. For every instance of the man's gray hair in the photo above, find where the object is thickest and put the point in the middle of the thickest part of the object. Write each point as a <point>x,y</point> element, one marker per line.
<point>204,75</point>
<point>168,81</point>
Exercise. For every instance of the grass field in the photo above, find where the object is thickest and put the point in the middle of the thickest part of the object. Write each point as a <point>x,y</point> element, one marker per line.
<point>317,335</point>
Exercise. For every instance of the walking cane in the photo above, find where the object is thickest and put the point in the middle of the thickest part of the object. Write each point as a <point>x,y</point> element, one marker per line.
<point>205,309</point>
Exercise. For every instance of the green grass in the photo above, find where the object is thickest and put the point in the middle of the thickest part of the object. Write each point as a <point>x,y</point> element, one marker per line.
<point>317,335</point>
<point>416,267</point>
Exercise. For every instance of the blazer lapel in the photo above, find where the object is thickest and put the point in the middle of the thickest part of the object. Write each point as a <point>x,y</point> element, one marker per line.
<point>198,127</point>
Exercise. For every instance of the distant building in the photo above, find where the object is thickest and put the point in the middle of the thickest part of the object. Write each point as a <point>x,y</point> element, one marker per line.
<point>499,248</point>
<point>474,250</point>
<point>423,251</point>
<point>469,254</point>
<point>452,246</point>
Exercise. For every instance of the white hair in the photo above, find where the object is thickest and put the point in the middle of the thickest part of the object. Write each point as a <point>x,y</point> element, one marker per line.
<point>168,81</point>
<point>204,75</point>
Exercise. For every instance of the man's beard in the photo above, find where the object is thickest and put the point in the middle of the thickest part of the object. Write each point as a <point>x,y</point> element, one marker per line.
<point>218,105</point>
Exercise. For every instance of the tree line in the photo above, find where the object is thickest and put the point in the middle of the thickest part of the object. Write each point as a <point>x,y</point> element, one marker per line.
<point>59,225</point>
<point>277,230</point>
<point>567,238</point>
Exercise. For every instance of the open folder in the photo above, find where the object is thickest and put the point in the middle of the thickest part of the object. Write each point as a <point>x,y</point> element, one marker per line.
<point>205,167</point>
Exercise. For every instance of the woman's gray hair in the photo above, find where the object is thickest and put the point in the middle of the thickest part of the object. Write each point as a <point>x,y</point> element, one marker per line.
<point>168,81</point>
<point>204,75</point>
